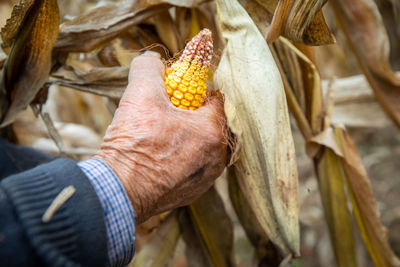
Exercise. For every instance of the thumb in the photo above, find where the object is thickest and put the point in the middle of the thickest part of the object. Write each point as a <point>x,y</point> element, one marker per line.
<point>146,77</point>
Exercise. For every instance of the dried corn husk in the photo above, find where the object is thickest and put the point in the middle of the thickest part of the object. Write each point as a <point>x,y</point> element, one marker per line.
<point>257,112</point>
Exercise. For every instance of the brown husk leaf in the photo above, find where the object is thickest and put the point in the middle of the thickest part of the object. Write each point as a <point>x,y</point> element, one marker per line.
<point>28,64</point>
<point>301,21</point>
<point>367,36</point>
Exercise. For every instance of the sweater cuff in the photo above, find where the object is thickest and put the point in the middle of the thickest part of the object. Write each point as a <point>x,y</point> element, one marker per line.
<point>118,212</point>
<point>75,234</point>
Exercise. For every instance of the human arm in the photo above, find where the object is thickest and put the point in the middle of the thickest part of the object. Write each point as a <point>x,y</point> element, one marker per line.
<point>163,157</point>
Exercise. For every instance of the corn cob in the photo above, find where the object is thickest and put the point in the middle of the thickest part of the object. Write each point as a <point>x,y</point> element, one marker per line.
<point>186,79</point>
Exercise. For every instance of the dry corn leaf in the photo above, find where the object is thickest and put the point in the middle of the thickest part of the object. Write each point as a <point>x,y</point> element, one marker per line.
<point>331,185</point>
<point>167,31</point>
<point>182,20</point>
<point>292,100</point>
<point>312,84</point>
<point>245,214</point>
<point>101,24</point>
<point>159,250</point>
<point>328,167</point>
<point>261,13</point>
<point>194,25</point>
<point>29,62</point>
<point>366,34</point>
<point>181,3</point>
<point>266,168</point>
<point>208,232</point>
<point>291,63</point>
<point>268,5</point>
<point>355,104</point>
<point>10,30</point>
<point>119,52</point>
<point>350,168</point>
<point>195,250</point>
<point>3,58</point>
<point>326,138</point>
<point>78,139</point>
<point>301,21</point>
<point>364,204</point>
<point>107,81</point>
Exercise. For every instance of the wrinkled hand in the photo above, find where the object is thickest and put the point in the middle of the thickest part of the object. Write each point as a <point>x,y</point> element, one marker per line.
<point>165,157</point>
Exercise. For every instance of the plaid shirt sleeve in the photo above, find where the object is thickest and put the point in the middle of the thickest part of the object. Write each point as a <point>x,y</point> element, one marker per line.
<point>118,211</point>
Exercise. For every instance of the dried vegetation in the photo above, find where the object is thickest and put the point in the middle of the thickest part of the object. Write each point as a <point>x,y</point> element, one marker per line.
<point>64,66</point>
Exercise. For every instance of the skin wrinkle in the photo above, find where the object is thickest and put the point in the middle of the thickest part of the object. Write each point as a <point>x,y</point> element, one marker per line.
<point>165,157</point>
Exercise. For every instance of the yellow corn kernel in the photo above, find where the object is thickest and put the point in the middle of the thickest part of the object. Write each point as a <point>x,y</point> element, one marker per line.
<point>175,101</point>
<point>169,90</point>
<point>185,82</point>
<point>193,83</point>
<point>173,84</point>
<point>195,103</point>
<point>189,96</point>
<point>183,88</point>
<point>177,79</point>
<point>186,78</point>
<point>192,90</point>
<point>185,102</point>
<point>178,94</point>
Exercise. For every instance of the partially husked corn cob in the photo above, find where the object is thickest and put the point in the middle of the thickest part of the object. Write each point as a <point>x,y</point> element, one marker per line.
<point>186,79</point>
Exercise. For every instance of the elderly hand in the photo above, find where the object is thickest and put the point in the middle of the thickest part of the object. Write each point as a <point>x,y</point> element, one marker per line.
<point>165,157</point>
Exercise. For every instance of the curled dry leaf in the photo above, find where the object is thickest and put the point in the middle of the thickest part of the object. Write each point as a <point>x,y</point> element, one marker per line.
<point>366,34</point>
<point>341,159</point>
<point>364,204</point>
<point>11,29</point>
<point>161,246</point>
<point>108,81</point>
<point>301,21</point>
<point>266,168</point>
<point>261,13</point>
<point>28,64</point>
<point>91,30</point>
<point>208,232</point>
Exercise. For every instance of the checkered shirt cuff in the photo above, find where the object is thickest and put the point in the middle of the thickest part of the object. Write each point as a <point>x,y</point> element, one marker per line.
<point>118,211</point>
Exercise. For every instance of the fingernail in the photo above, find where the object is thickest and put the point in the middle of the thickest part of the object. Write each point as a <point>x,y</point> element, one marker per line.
<point>151,53</point>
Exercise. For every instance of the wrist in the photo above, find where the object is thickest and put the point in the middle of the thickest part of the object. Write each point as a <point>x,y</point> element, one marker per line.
<point>133,177</point>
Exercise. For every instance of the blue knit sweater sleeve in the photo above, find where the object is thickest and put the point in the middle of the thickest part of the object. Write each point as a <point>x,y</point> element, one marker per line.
<point>75,235</point>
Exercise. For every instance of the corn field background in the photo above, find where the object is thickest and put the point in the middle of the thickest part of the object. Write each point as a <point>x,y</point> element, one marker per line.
<point>312,99</point>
